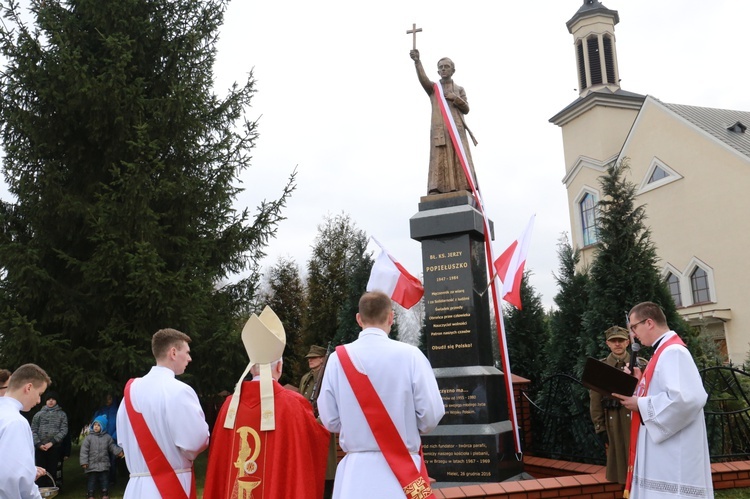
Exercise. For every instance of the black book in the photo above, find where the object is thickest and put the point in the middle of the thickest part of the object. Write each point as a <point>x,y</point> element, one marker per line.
<point>606,379</point>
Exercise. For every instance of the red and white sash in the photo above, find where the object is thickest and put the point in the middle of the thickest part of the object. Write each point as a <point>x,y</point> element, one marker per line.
<point>416,483</point>
<point>164,476</point>
<point>450,125</point>
<point>635,418</point>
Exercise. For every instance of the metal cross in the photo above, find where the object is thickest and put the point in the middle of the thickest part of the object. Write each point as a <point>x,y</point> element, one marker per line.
<point>413,31</point>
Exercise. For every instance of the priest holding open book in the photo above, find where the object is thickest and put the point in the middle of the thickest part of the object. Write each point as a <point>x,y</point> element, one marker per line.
<point>669,455</point>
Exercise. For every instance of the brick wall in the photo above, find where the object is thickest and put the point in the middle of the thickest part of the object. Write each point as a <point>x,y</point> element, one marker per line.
<point>581,481</point>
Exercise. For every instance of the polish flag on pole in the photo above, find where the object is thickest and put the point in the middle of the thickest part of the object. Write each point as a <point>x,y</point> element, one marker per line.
<point>510,264</point>
<point>391,277</point>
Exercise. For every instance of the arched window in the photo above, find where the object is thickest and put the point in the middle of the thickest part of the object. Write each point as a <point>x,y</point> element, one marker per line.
<point>588,219</point>
<point>673,282</point>
<point>699,286</point>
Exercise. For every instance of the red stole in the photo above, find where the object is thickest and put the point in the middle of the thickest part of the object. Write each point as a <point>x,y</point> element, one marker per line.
<point>416,483</point>
<point>164,476</point>
<point>635,416</point>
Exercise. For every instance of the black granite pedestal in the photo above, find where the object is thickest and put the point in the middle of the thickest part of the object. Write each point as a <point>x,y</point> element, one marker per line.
<point>474,441</point>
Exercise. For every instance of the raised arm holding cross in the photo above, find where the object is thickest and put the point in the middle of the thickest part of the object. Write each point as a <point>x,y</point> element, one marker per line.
<point>446,171</point>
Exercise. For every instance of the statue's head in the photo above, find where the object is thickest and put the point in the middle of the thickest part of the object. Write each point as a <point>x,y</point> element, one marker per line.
<point>446,68</point>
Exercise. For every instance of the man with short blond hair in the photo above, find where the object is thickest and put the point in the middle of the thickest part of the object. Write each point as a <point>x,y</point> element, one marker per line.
<point>18,472</point>
<point>668,433</point>
<point>164,339</point>
<point>169,411</point>
<point>400,376</point>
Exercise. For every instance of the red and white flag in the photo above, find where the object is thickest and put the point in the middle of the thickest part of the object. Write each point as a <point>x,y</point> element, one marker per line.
<point>391,278</point>
<point>510,265</point>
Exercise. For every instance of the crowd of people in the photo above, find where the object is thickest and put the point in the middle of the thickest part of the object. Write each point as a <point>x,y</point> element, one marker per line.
<point>377,394</point>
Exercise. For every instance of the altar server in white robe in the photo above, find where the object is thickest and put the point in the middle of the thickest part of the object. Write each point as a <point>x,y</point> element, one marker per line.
<point>172,413</point>
<point>17,471</point>
<point>672,458</point>
<point>402,377</point>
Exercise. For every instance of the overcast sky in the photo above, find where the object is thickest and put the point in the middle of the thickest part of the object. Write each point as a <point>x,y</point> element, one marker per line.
<point>340,100</point>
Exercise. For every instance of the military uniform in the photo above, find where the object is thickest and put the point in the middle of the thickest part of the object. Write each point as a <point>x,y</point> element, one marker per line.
<point>307,384</point>
<point>306,387</point>
<point>609,416</point>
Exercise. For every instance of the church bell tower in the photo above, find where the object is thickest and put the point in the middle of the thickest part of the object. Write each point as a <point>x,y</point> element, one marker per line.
<point>596,124</point>
<point>593,30</point>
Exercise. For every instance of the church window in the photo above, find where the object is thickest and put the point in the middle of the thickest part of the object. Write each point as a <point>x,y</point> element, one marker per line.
<point>699,285</point>
<point>594,63</point>
<point>588,219</point>
<point>673,282</point>
<point>658,174</point>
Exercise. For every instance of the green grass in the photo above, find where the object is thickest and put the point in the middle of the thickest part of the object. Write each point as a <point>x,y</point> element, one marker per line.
<point>75,480</point>
<point>743,493</point>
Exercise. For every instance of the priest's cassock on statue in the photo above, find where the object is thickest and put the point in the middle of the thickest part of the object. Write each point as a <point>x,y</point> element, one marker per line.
<point>283,454</point>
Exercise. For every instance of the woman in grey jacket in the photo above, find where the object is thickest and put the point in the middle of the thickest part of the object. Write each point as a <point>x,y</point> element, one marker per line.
<point>49,427</point>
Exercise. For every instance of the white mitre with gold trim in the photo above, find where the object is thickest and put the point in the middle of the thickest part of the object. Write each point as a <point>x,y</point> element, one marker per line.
<point>264,339</point>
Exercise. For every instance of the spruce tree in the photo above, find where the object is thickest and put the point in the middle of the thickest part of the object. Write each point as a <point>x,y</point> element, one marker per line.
<point>566,322</point>
<point>359,264</point>
<point>286,297</point>
<point>625,270</point>
<point>123,165</point>
<point>527,333</point>
<point>335,281</point>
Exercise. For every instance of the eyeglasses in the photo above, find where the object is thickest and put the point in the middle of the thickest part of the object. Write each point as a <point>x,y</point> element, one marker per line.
<point>632,326</point>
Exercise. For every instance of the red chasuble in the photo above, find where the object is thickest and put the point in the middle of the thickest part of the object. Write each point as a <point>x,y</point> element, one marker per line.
<point>289,461</point>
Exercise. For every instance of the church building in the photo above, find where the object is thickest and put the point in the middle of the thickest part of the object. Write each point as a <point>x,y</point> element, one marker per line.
<point>691,166</point>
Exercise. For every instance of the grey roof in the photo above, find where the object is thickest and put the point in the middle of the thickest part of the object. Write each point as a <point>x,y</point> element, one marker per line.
<point>592,7</point>
<point>717,122</point>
